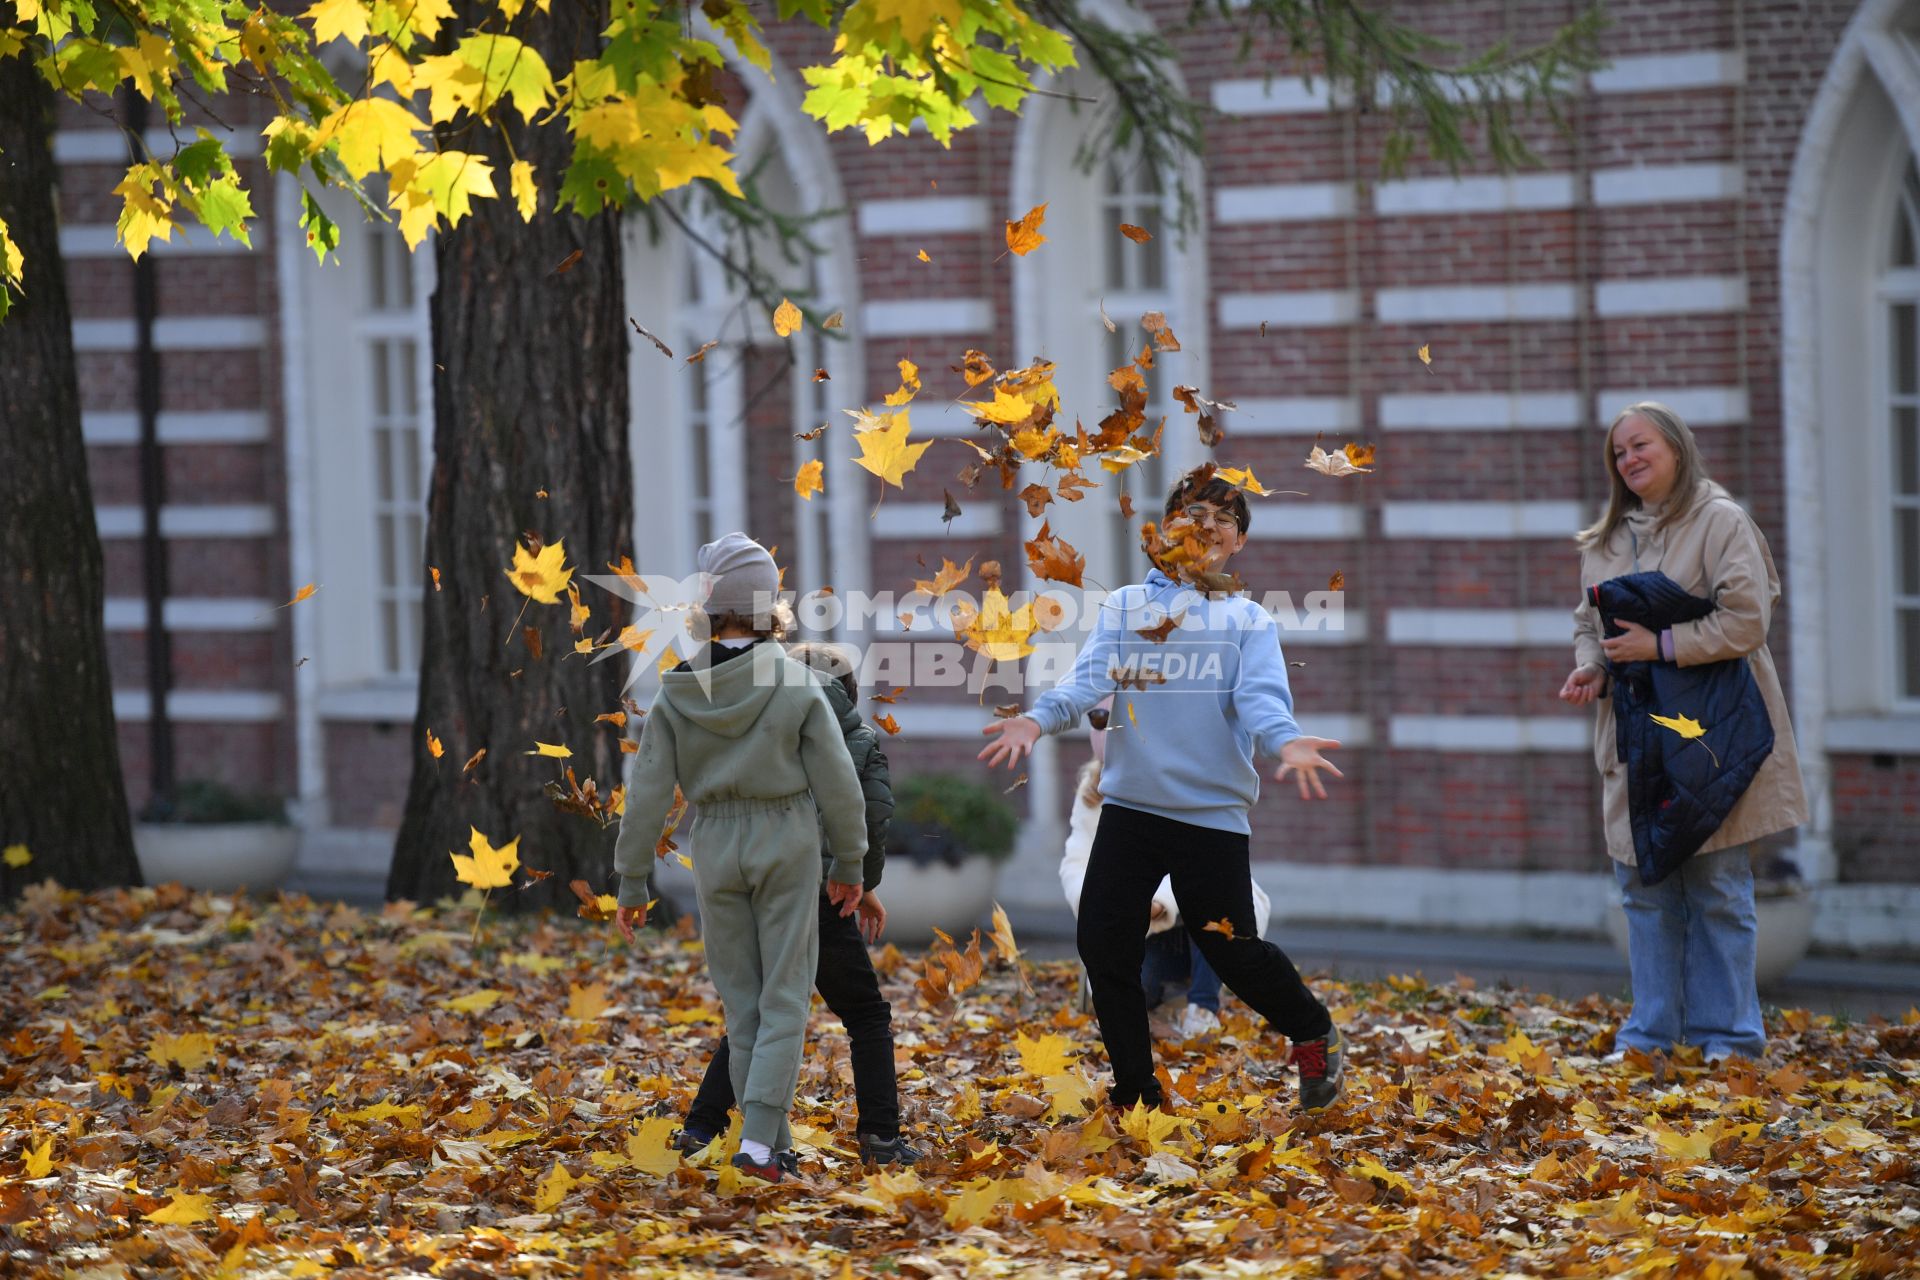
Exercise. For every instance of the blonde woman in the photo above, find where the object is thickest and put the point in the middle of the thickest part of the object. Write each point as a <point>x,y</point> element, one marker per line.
<point>1691,934</point>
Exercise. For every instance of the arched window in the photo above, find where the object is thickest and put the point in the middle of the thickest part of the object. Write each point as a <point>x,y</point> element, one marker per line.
<point>1900,295</point>
<point>1133,282</point>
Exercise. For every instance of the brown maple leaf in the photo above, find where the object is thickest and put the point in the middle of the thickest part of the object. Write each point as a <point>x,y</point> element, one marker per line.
<point>1160,630</point>
<point>1054,559</point>
<point>1036,496</point>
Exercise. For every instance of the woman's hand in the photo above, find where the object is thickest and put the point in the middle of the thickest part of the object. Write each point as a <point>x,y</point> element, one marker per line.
<point>873,918</point>
<point>1637,644</point>
<point>1583,685</point>
<point>1302,758</point>
<point>1015,739</point>
<point>627,917</point>
<point>1158,913</point>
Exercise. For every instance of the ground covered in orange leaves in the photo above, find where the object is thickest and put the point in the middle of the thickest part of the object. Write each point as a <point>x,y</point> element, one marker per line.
<point>209,1087</point>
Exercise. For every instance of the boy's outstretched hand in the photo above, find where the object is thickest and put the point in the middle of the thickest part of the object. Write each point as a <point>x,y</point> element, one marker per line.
<point>627,917</point>
<point>1302,758</point>
<point>844,896</point>
<point>1015,739</point>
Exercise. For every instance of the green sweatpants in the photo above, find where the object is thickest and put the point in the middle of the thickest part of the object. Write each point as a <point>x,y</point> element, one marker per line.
<point>756,869</point>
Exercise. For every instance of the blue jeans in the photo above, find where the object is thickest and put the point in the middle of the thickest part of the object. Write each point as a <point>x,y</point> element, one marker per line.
<point>1170,956</point>
<point>1690,951</point>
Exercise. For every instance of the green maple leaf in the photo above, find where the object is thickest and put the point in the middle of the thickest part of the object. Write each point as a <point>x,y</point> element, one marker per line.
<point>225,208</point>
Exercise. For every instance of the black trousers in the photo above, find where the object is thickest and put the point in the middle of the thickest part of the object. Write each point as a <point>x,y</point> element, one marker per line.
<point>1212,880</point>
<point>845,979</point>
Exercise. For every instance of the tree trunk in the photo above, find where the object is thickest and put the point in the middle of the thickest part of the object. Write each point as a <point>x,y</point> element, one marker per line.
<point>530,410</point>
<point>61,793</point>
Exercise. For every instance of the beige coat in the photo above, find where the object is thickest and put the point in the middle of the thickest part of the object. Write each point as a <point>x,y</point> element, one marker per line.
<point>1716,551</point>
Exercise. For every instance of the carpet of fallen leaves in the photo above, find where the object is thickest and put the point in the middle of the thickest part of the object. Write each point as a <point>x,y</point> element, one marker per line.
<point>217,1087</point>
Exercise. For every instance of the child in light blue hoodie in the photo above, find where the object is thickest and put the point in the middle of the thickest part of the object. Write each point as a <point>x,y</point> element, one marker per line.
<point>1190,713</point>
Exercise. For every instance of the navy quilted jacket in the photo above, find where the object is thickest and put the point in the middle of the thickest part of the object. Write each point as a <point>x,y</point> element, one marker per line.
<point>1679,790</point>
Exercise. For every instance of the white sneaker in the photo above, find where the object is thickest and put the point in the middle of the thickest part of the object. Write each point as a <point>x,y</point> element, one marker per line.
<point>1196,1022</point>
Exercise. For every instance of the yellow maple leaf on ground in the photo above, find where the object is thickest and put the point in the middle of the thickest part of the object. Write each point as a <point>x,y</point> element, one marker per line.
<point>786,319</point>
<point>474,1001</point>
<point>974,1205</point>
<point>1068,1094</point>
<point>189,1052</point>
<point>183,1210</point>
<point>648,1147</point>
<point>1152,1127</point>
<point>1024,236</point>
<point>553,1188</point>
<point>1368,1167</point>
<point>1045,1056</point>
<point>584,1004</point>
<point>811,479</point>
<point>407,1117</point>
<point>486,867</point>
<point>541,578</point>
<point>39,1159</point>
<point>16,856</point>
<point>883,445</point>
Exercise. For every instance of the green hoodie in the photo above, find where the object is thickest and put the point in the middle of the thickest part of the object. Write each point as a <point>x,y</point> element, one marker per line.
<point>757,727</point>
<point>876,780</point>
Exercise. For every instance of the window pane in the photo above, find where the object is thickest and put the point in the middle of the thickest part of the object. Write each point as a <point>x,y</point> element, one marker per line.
<point>1909,677</point>
<point>1906,450</point>
<point>1905,353</point>
<point>399,272</point>
<point>376,253</point>
<point>406,358</point>
<point>385,568</point>
<point>1906,549</point>
<point>390,635</point>
<point>382,464</point>
<point>1906,221</point>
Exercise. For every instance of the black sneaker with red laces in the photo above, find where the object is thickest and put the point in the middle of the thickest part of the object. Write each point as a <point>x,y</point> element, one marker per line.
<point>1323,1066</point>
<point>771,1171</point>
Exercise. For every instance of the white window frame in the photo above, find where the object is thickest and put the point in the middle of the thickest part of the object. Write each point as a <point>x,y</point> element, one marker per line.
<point>1894,286</point>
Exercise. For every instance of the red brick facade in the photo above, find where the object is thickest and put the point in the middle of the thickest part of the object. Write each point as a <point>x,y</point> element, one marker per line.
<point>1401,805</point>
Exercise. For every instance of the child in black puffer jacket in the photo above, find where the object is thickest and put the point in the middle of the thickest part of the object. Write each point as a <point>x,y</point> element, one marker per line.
<point>844,977</point>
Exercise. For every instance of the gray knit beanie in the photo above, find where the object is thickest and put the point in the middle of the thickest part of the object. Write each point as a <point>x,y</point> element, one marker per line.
<point>741,576</point>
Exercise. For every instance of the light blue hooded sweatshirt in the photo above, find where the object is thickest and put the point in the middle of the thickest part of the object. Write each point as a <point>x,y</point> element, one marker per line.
<point>1190,712</point>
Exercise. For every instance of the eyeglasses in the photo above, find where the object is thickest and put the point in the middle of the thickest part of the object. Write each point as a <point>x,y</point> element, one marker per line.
<point>1225,521</point>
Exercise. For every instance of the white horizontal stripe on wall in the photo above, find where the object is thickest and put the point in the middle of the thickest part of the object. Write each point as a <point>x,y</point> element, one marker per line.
<point>927,317</point>
<point>100,241</point>
<point>1289,309</point>
<point>1352,629</point>
<point>202,706</point>
<point>1291,415</point>
<point>928,720</point>
<point>1481,194</point>
<point>241,426</point>
<point>1698,406</point>
<point>235,520</point>
<point>923,215</point>
<point>1283,202</point>
<point>1344,727</point>
<point>1660,72</point>
<point>922,520</point>
<point>1272,96</point>
<point>1490,733</point>
<point>945,419</point>
<point>109,146</point>
<point>1669,295</point>
<point>1450,411</point>
<point>1475,302</point>
<point>174,333</point>
<point>1295,521</point>
<point>1667,183</point>
<point>1571,901</point>
<point>193,613</point>
<point>1481,519</point>
<point>1515,627</point>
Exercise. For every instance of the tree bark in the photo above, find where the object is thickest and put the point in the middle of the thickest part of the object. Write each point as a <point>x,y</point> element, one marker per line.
<point>61,791</point>
<point>529,399</point>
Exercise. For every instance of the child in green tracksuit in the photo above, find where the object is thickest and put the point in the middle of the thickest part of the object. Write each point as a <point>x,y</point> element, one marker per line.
<point>748,736</point>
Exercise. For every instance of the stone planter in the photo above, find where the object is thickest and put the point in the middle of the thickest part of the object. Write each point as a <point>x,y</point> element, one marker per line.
<point>1786,931</point>
<point>218,857</point>
<point>921,897</point>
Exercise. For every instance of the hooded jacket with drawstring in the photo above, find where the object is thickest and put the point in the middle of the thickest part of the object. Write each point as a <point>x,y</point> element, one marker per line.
<point>752,742</point>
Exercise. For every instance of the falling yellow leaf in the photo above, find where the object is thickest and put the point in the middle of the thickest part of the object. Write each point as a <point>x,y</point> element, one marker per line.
<point>837,320</point>
<point>183,1210</point>
<point>1222,926</point>
<point>434,748</point>
<point>304,593</point>
<point>786,319</point>
<point>1685,726</point>
<point>1024,236</point>
<point>1139,235</point>
<point>1243,479</point>
<point>550,750</point>
<point>949,577</point>
<point>1426,355</point>
<point>577,613</point>
<point>1336,463</point>
<point>486,867</point>
<point>1118,460</point>
<point>883,445</point>
<point>811,479</point>
<point>922,255</point>
<point>542,577</point>
<point>189,1052</point>
<point>435,571</point>
<point>16,856</point>
<point>996,630</point>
